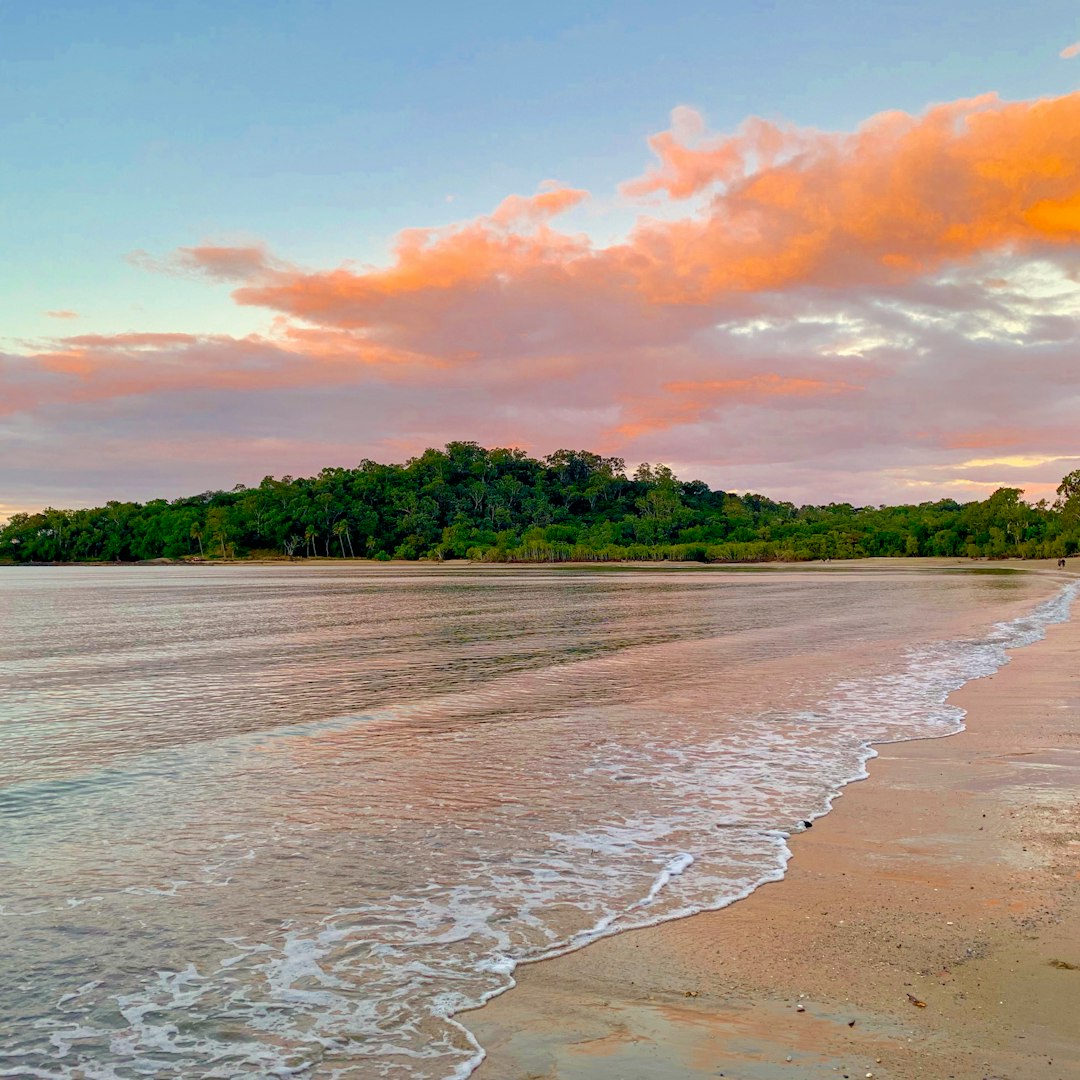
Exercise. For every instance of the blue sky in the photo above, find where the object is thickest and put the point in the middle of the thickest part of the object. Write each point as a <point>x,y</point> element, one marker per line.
<point>321,130</point>
<point>324,128</point>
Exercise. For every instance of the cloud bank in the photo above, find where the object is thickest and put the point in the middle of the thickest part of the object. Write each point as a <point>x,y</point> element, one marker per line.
<point>889,313</point>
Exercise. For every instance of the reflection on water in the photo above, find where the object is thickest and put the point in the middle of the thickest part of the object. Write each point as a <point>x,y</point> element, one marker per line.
<point>261,821</point>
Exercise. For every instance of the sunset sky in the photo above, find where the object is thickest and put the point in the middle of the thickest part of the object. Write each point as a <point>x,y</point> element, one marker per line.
<point>824,251</point>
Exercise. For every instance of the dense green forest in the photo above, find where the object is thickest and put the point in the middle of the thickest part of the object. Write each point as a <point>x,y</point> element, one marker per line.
<point>504,506</point>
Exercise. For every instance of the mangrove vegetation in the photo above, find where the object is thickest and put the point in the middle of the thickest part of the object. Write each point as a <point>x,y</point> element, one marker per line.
<point>501,505</point>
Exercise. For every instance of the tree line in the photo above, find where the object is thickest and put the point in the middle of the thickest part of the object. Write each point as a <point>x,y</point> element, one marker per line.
<point>501,505</point>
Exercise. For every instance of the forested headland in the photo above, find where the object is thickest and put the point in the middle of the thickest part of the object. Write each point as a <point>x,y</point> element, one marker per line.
<point>466,502</point>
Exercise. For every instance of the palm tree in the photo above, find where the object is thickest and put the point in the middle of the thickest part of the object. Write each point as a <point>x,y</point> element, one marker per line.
<point>197,533</point>
<point>217,525</point>
<point>340,528</point>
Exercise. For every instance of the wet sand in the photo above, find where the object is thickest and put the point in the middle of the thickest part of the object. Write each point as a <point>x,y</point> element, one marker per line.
<point>929,927</point>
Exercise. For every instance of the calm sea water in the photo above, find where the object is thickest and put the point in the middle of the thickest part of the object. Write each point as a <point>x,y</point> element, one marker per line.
<point>261,821</point>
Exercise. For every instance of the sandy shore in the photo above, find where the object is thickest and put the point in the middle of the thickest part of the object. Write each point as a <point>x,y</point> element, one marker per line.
<point>928,928</point>
<point>831,566</point>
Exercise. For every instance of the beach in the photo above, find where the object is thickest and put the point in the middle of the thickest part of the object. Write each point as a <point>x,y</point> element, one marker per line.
<point>339,804</point>
<point>928,927</point>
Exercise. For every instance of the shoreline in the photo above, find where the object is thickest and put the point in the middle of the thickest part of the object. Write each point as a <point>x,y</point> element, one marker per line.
<point>952,876</point>
<point>923,562</point>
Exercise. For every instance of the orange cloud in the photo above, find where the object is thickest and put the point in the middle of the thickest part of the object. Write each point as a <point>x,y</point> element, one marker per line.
<point>547,203</point>
<point>63,313</point>
<point>504,248</point>
<point>1070,51</point>
<point>899,198</point>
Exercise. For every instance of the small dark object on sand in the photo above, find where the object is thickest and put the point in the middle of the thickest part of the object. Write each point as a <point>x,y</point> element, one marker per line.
<point>808,824</point>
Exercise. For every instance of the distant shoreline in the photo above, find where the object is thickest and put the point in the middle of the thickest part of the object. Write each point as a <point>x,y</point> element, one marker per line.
<point>913,561</point>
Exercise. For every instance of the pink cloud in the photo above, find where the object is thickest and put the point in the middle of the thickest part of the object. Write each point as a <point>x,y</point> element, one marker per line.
<point>812,306</point>
<point>95,367</point>
<point>225,263</point>
<point>689,401</point>
<point>689,163</point>
<point>62,313</point>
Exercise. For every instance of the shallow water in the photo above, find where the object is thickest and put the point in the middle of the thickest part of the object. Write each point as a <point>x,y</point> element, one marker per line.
<point>261,821</point>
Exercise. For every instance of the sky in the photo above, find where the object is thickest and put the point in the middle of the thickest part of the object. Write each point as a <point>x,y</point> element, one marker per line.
<point>825,251</point>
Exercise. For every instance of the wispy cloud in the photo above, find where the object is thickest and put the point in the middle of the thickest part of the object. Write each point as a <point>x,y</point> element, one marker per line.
<point>219,262</point>
<point>1070,51</point>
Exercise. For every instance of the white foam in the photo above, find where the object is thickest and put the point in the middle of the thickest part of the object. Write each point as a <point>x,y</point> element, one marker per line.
<point>932,673</point>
